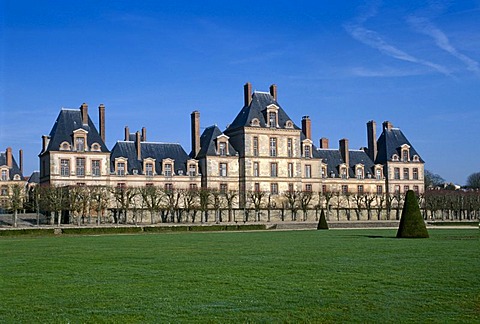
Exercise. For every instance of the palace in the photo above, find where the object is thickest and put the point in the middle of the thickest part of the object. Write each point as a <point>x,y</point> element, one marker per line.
<point>262,150</point>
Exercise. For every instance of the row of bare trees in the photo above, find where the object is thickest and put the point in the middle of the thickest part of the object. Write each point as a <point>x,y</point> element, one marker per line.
<point>102,204</point>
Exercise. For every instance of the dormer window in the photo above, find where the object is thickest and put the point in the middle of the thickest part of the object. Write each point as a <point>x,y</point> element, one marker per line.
<point>359,173</point>
<point>395,157</point>
<point>4,175</point>
<point>121,166</point>
<point>80,144</point>
<point>255,122</point>
<point>343,172</point>
<point>149,169</point>
<point>378,173</point>
<point>416,158</point>
<point>324,172</point>
<point>95,147</point>
<point>167,171</point>
<point>192,170</point>
<point>289,124</point>
<point>405,155</point>
<point>405,150</point>
<point>222,148</point>
<point>307,151</point>
<point>272,116</point>
<point>65,146</point>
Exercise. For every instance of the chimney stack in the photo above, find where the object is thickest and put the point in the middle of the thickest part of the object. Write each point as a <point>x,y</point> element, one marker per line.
<point>195,130</point>
<point>324,143</point>
<point>138,145</point>
<point>20,160</point>
<point>144,134</point>
<point>344,151</point>
<point>8,155</point>
<point>101,121</point>
<point>247,93</point>
<point>387,125</point>
<point>372,139</point>
<point>307,127</point>
<point>127,133</point>
<point>45,141</point>
<point>273,91</point>
<point>84,111</point>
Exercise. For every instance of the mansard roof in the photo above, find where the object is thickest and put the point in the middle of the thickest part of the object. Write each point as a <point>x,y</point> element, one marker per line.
<point>390,142</point>
<point>153,150</point>
<point>68,121</point>
<point>208,144</point>
<point>34,177</point>
<point>333,159</point>
<point>14,170</point>
<point>258,109</point>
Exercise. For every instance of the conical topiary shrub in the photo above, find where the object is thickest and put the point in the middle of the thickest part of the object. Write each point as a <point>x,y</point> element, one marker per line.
<point>411,223</point>
<point>322,223</point>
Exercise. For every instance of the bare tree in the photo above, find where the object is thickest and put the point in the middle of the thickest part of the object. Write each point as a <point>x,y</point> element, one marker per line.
<point>368,201</point>
<point>99,200</point>
<point>256,198</point>
<point>305,197</point>
<point>204,195</point>
<point>230,197</point>
<point>151,197</point>
<point>292,197</point>
<point>16,201</point>
<point>190,199</point>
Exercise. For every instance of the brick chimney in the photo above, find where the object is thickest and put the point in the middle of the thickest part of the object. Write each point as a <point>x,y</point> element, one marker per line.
<point>195,130</point>
<point>84,111</point>
<point>372,139</point>
<point>138,145</point>
<point>45,141</point>
<point>144,134</point>
<point>20,160</point>
<point>127,133</point>
<point>101,121</point>
<point>247,93</point>
<point>8,156</point>
<point>387,125</point>
<point>344,151</point>
<point>273,91</point>
<point>307,127</point>
<point>324,143</point>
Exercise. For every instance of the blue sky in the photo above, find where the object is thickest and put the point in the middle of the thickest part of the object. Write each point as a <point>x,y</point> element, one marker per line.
<point>343,63</point>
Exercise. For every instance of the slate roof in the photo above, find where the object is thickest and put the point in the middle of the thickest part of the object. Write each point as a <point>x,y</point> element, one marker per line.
<point>257,109</point>
<point>333,159</point>
<point>389,143</point>
<point>68,121</point>
<point>157,151</point>
<point>14,169</point>
<point>208,144</point>
<point>34,177</point>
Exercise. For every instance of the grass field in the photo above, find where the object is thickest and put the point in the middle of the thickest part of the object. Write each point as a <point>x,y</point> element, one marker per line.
<point>291,276</point>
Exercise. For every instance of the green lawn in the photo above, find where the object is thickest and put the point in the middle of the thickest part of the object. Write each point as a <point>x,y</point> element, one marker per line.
<point>291,276</point>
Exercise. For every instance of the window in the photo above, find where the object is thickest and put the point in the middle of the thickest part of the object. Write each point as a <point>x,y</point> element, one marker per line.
<point>272,119</point>
<point>290,170</point>
<point>149,184</point>
<point>397,189</point>
<point>95,147</point>
<point>360,189</point>
<point>4,175</point>
<point>80,144</point>
<point>379,190</point>
<point>193,186</point>
<point>308,171</point>
<point>256,169</point>
<point>396,173</point>
<point>359,173</point>
<point>256,187</point>
<point>223,169</point>
<point>344,173</point>
<point>121,168</point>
<point>415,173</point>
<point>307,151</point>
<point>394,157</point>
<point>222,148</point>
<point>274,169</point>
<point>308,187</point>
<point>344,189</point>
<point>291,187</point>
<point>255,146</point>
<point>290,147</point>
<point>149,169</point>
<point>416,158</point>
<point>378,174</point>
<point>415,188</point>
<point>223,187</point>
<point>168,170</point>
<point>406,188</point>
<point>273,146</point>
<point>324,172</point>
<point>96,168</point>
<point>80,167</point>
<point>4,191</point>
<point>192,170</point>
<point>168,186</point>
<point>406,174</point>
<point>405,155</point>
<point>324,188</point>
<point>121,185</point>
<point>274,188</point>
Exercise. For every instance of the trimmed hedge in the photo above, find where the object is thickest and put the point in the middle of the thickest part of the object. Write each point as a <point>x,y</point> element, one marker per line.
<point>28,231</point>
<point>412,224</point>
<point>159,229</point>
<point>101,230</point>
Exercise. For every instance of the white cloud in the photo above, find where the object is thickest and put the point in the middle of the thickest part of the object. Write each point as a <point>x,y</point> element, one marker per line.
<point>424,26</point>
